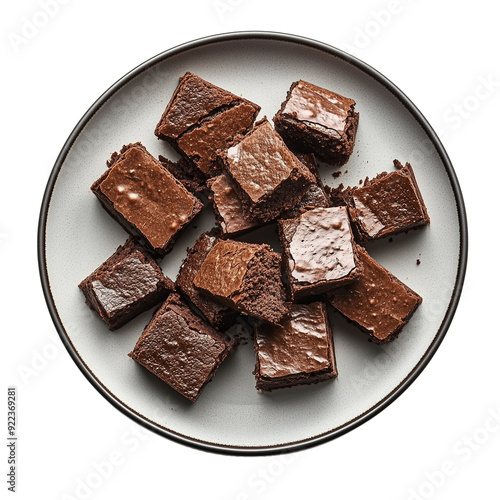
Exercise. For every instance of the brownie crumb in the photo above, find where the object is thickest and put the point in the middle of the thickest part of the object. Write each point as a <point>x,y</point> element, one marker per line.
<point>335,175</point>
<point>418,262</point>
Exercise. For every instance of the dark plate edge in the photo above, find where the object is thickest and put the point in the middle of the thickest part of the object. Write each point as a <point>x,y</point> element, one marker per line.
<point>360,419</point>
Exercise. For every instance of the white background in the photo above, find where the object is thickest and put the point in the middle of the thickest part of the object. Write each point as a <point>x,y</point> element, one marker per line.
<point>440,439</point>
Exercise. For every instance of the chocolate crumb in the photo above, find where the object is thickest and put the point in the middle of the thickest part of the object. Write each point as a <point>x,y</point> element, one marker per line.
<point>335,175</point>
<point>418,262</point>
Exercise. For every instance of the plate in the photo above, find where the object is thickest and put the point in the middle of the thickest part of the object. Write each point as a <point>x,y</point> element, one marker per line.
<point>76,235</point>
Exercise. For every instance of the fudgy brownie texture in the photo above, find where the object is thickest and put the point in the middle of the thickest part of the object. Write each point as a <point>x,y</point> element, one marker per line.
<point>314,119</point>
<point>180,348</point>
<point>377,302</point>
<point>268,177</point>
<point>145,198</point>
<point>298,351</point>
<point>186,172</point>
<point>218,315</point>
<point>315,195</point>
<point>125,285</point>
<point>245,277</point>
<point>230,215</point>
<point>387,204</point>
<point>318,251</point>
<point>202,118</point>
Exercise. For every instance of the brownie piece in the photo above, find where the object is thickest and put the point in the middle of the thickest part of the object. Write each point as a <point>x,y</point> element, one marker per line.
<point>145,198</point>
<point>298,351</point>
<point>202,118</point>
<point>317,120</point>
<point>268,177</point>
<point>318,251</point>
<point>218,315</point>
<point>377,302</point>
<point>245,277</point>
<point>315,195</point>
<point>180,348</point>
<point>125,285</point>
<point>186,172</point>
<point>230,215</point>
<point>388,204</point>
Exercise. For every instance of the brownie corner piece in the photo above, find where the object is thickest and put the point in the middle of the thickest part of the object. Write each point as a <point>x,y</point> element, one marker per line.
<point>180,348</point>
<point>145,198</point>
<point>268,177</point>
<point>230,215</point>
<point>298,351</point>
<point>125,285</point>
<point>388,204</point>
<point>314,119</point>
<point>319,252</point>
<point>218,315</point>
<point>378,303</point>
<point>245,277</point>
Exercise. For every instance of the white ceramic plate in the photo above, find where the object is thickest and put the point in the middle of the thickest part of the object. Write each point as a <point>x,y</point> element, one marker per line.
<point>76,235</point>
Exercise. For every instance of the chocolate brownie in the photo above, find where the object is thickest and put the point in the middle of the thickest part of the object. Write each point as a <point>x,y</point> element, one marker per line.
<point>230,215</point>
<point>245,277</point>
<point>377,302</point>
<point>315,195</point>
<point>318,251</point>
<point>388,204</point>
<point>267,176</point>
<point>218,315</point>
<point>180,348</point>
<point>298,351</point>
<point>317,120</point>
<point>145,198</point>
<point>125,285</point>
<point>202,118</point>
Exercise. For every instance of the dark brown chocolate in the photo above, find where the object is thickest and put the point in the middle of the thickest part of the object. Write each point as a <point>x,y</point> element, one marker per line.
<point>317,120</point>
<point>231,217</point>
<point>315,195</point>
<point>180,348</point>
<point>318,251</point>
<point>268,177</point>
<point>245,277</point>
<point>202,118</point>
<point>125,285</point>
<point>377,302</point>
<point>388,204</point>
<point>145,197</point>
<point>298,351</point>
<point>218,315</point>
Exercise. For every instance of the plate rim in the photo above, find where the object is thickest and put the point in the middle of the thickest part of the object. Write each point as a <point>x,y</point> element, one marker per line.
<point>359,419</point>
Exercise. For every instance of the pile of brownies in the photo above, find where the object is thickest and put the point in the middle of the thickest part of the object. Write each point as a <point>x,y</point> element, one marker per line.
<point>254,174</point>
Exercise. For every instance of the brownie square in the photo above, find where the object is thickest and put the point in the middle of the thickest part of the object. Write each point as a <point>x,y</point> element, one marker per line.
<point>230,215</point>
<point>245,277</point>
<point>317,120</point>
<point>180,348</point>
<point>318,251</point>
<point>202,118</point>
<point>268,177</point>
<point>377,302</point>
<point>145,198</point>
<point>298,351</point>
<point>125,285</point>
<point>218,315</point>
<point>388,204</point>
